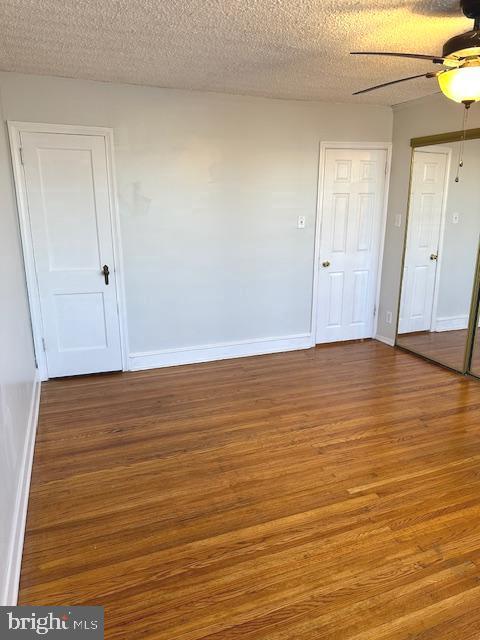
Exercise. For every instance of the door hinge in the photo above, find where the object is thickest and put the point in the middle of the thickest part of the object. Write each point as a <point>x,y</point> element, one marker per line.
<point>44,344</point>
<point>20,150</point>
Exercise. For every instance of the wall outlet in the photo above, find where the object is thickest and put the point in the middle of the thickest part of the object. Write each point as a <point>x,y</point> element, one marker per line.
<point>301,222</point>
<point>388,317</point>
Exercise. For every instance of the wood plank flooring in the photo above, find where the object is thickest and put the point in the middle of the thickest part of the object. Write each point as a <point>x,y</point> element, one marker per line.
<point>325,494</point>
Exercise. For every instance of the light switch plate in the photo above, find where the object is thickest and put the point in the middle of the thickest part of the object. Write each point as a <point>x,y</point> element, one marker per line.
<point>301,222</point>
<point>455,218</point>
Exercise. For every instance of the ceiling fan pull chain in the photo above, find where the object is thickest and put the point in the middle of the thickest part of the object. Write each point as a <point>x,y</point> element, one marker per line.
<point>462,141</point>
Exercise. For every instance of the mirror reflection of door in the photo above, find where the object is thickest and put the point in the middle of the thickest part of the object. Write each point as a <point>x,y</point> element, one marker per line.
<point>427,200</point>
<point>441,253</point>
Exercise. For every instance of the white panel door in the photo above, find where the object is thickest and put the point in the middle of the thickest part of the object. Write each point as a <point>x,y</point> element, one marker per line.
<point>67,189</point>
<point>423,236</point>
<point>352,204</point>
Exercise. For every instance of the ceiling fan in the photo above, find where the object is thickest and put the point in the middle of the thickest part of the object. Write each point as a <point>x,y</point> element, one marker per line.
<point>459,79</point>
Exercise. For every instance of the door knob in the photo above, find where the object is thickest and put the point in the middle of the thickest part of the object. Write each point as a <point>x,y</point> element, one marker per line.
<point>326,263</point>
<point>106,272</point>
<point>433,256</point>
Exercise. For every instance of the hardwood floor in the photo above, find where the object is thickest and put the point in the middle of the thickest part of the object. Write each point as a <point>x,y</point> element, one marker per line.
<point>324,494</point>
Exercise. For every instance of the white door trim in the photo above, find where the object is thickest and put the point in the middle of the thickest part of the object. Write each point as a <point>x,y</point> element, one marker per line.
<point>14,131</point>
<point>324,146</point>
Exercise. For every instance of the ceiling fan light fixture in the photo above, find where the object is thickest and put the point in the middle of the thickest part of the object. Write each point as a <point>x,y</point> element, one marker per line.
<point>462,84</point>
<point>459,80</point>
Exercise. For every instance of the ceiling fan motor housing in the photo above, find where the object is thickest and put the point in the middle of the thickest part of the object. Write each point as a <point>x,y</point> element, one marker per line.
<point>471,8</point>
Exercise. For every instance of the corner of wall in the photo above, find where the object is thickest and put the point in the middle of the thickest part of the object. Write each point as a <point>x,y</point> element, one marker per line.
<point>13,560</point>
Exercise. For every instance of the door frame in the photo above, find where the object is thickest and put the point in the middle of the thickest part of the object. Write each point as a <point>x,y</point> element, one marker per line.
<point>371,146</point>
<point>15,128</point>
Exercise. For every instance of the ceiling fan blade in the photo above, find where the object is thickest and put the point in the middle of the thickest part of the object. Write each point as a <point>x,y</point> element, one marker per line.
<point>386,84</point>
<point>417,56</point>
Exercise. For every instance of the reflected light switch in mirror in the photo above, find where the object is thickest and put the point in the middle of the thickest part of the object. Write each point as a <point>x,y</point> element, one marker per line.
<point>455,218</point>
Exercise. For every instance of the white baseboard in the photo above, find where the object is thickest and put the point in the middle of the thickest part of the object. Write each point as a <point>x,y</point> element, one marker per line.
<point>451,323</point>
<point>385,340</point>
<point>221,351</point>
<point>9,593</point>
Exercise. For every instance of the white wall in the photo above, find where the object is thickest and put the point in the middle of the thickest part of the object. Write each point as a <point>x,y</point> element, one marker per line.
<point>460,244</point>
<point>17,376</point>
<point>210,187</point>
<point>423,117</point>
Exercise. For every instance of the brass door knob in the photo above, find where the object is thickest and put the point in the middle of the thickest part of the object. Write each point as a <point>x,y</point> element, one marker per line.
<point>326,263</point>
<point>433,256</point>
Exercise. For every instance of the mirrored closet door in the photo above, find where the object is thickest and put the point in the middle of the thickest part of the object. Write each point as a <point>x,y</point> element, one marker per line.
<point>439,293</point>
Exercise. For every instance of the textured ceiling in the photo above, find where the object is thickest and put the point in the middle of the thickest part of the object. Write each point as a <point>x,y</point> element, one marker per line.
<point>278,48</point>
